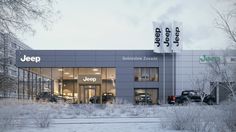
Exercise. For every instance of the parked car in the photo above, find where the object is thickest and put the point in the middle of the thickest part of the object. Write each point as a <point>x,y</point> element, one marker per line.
<point>143,98</point>
<point>68,99</point>
<point>95,100</point>
<point>46,96</point>
<point>191,96</point>
<point>60,98</point>
<point>171,99</point>
<point>106,98</point>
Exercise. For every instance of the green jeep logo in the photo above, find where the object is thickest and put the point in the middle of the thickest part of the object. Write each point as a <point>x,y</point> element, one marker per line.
<point>207,59</point>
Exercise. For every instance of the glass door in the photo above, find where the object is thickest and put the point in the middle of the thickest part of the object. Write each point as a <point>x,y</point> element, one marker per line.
<point>89,94</point>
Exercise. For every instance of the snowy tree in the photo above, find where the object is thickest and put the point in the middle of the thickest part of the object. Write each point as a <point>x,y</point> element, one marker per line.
<point>223,70</point>
<point>224,73</point>
<point>201,83</point>
<point>8,85</point>
<point>18,15</point>
<point>226,22</point>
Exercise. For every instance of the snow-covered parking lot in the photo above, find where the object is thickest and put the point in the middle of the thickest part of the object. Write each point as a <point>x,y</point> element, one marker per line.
<point>28,116</point>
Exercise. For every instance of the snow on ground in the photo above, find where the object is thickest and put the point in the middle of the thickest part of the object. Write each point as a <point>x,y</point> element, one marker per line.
<point>98,128</point>
<point>29,116</point>
<point>101,125</point>
<point>63,110</point>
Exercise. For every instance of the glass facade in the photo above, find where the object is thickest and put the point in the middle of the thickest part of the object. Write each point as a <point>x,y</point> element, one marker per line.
<point>146,96</point>
<point>75,85</point>
<point>146,74</point>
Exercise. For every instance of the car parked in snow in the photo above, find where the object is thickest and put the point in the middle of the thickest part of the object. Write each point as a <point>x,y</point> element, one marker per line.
<point>106,98</point>
<point>188,96</point>
<point>46,96</point>
<point>143,98</point>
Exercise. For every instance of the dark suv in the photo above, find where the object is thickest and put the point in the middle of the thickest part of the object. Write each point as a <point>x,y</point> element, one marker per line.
<point>106,98</point>
<point>46,96</point>
<point>194,96</point>
<point>142,98</point>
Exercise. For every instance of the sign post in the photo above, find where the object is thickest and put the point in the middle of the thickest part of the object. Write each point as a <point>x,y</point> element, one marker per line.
<point>167,39</point>
<point>177,46</point>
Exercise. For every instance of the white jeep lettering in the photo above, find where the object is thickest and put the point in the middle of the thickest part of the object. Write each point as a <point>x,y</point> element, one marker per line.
<point>89,79</point>
<point>32,59</point>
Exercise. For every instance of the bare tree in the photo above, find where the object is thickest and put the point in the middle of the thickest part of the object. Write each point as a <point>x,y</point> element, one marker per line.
<point>7,85</point>
<point>201,83</point>
<point>226,22</point>
<point>223,72</point>
<point>18,15</point>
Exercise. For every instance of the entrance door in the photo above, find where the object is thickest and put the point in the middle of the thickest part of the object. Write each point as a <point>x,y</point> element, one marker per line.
<point>89,93</point>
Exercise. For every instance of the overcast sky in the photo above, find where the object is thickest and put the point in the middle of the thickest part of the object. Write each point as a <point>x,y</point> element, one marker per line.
<point>127,24</point>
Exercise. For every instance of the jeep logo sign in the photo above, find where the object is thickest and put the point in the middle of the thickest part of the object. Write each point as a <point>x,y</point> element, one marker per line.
<point>176,38</point>
<point>208,59</point>
<point>89,79</point>
<point>157,37</point>
<point>35,59</point>
<point>167,37</point>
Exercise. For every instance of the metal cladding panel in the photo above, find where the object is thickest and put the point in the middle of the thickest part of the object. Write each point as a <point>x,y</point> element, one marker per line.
<point>80,58</point>
<point>189,66</point>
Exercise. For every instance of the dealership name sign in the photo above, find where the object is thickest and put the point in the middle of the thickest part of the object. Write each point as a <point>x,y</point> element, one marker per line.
<point>167,37</point>
<point>35,59</point>
<point>139,58</point>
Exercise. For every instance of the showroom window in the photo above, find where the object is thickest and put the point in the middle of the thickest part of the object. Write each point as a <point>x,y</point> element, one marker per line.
<point>149,74</point>
<point>146,96</point>
<point>74,85</point>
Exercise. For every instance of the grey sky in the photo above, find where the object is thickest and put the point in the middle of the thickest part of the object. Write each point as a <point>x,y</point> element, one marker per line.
<point>127,24</point>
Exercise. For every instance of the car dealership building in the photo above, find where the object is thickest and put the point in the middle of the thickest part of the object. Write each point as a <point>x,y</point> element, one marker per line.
<point>127,74</point>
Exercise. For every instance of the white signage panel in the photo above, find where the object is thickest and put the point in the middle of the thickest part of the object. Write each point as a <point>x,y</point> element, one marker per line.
<point>158,45</point>
<point>168,37</point>
<point>230,59</point>
<point>177,35</point>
